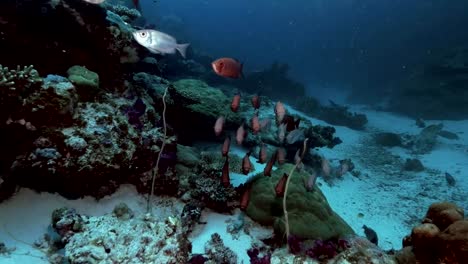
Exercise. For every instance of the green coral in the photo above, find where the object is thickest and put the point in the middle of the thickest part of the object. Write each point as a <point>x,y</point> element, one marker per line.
<point>214,161</point>
<point>19,78</point>
<point>200,98</point>
<point>86,81</point>
<point>310,215</point>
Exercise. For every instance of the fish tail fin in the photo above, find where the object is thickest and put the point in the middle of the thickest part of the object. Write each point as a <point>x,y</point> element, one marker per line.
<point>182,48</point>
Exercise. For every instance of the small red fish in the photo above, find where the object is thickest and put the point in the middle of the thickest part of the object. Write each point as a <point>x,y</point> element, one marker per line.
<point>326,169</point>
<point>310,182</point>
<point>246,164</point>
<point>269,166</point>
<point>228,67</point>
<point>219,124</point>
<point>225,180</point>
<point>245,199</point>
<point>281,155</point>
<point>280,112</point>
<point>291,123</point>
<point>298,160</point>
<point>136,4</point>
<point>281,132</point>
<point>255,124</point>
<point>281,186</point>
<point>262,155</point>
<point>240,134</point>
<point>235,103</point>
<point>265,124</point>
<point>256,101</point>
<point>226,146</point>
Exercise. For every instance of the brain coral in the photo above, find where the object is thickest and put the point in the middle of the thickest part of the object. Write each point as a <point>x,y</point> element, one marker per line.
<point>310,215</point>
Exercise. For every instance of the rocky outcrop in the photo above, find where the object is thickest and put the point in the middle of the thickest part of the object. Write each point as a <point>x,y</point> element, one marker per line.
<point>439,91</point>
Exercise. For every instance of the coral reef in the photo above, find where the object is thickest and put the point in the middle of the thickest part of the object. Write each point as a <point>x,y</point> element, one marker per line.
<point>85,81</point>
<point>62,143</point>
<point>442,237</point>
<point>427,138</point>
<point>108,238</point>
<point>85,36</point>
<point>217,252</point>
<point>199,105</point>
<point>334,114</point>
<point>310,216</point>
<point>272,82</point>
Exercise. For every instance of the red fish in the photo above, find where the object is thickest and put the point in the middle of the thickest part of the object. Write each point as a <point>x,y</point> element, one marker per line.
<point>255,124</point>
<point>281,155</point>
<point>262,155</point>
<point>235,103</point>
<point>326,169</point>
<point>225,180</point>
<point>228,67</point>
<point>240,134</point>
<point>256,101</point>
<point>136,4</point>
<point>310,182</point>
<point>218,127</point>
<point>280,112</point>
<point>281,132</point>
<point>245,199</point>
<point>246,164</point>
<point>269,166</point>
<point>291,123</point>
<point>281,186</point>
<point>298,160</point>
<point>226,146</point>
<point>265,124</point>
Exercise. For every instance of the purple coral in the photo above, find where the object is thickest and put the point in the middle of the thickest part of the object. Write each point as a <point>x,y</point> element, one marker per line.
<point>326,249</point>
<point>254,255</point>
<point>135,112</point>
<point>294,243</point>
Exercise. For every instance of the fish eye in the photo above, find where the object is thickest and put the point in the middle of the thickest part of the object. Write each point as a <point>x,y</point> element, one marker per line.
<point>143,34</point>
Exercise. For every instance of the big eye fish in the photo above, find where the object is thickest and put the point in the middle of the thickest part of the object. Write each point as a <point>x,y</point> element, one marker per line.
<point>158,42</point>
<point>228,67</point>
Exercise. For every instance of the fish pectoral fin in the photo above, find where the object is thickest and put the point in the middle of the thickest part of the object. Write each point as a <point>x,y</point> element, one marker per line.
<point>155,51</point>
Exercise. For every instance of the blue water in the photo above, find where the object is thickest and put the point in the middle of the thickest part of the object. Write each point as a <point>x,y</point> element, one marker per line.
<point>360,44</point>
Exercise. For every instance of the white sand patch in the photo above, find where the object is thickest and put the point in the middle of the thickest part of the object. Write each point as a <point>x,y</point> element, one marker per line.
<point>27,215</point>
<point>393,202</point>
<point>216,223</point>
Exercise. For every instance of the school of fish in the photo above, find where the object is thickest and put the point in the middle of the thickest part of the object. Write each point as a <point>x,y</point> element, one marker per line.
<point>158,42</point>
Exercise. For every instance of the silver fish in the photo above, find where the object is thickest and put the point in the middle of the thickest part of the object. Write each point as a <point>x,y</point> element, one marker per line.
<point>96,2</point>
<point>159,42</point>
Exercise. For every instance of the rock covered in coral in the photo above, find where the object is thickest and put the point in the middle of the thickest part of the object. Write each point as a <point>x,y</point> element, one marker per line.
<point>427,139</point>
<point>86,35</point>
<point>62,144</point>
<point>194,107</point>
<point>217,252</point>
<point>110,239</point>
<point>310,215</point>
<point>334,114</point>
<point>441,238</point>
